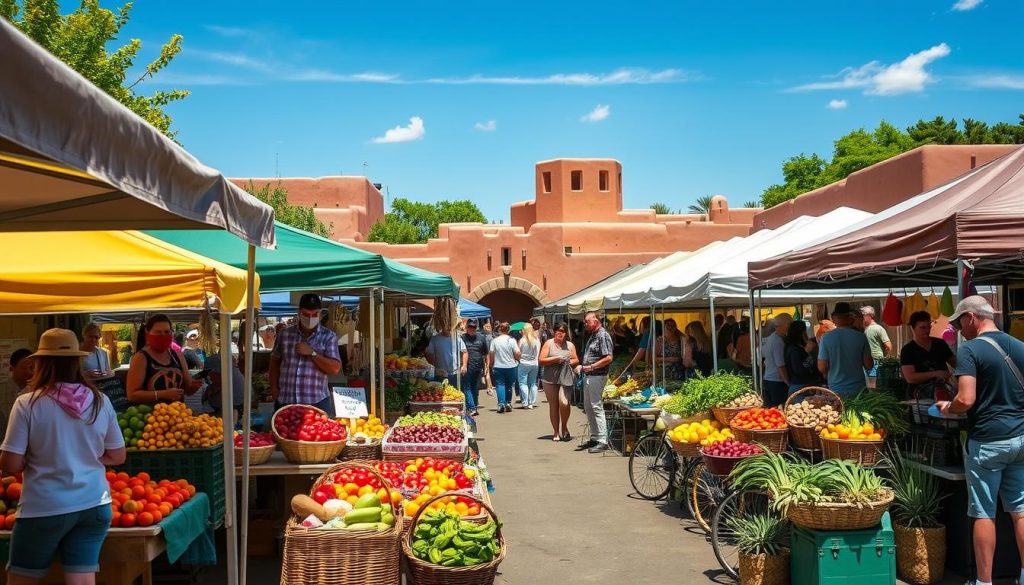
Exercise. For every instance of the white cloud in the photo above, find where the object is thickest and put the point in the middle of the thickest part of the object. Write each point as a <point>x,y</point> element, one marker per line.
<point>837,104</point>
<point>228,31</point>
<point>907,76</point>
<point>623,76</point>
<point>233,59</point>
<point>488,126</point>
<point>600,112</point>
<point>414,131</point>
<point>330,76</point>
<point>997,81</point>
<point>965,5</point>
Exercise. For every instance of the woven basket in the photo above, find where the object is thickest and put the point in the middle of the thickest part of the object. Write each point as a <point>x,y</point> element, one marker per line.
<point>805,437</point>
<point>306,451</point>
<point>257,455</point>
<point>862,452</point>
<point>724,415</point>
<point>837,516</point>
<point>346,557</point>
<point>764,569</point>
<point>685,449</point>
<point>720,465</point>
<point>920,554</point>
<point>775,440</point>
<point>365,452</point>
<point>424,573</point>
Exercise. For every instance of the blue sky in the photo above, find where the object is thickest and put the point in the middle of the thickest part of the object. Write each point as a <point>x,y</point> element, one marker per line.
<point>693,98</point>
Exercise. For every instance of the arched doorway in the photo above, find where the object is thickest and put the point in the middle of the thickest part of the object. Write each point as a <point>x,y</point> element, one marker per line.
<point>510,298</point>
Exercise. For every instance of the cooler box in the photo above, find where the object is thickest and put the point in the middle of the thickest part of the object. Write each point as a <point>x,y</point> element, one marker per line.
<point>838,557</point>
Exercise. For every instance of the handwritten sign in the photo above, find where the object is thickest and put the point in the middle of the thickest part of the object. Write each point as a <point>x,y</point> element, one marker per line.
<point>349,402</point>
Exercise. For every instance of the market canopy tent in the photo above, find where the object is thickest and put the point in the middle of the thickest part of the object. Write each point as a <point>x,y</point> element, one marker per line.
<point>303,261</point>
<point>73,272</point>
<point>72,157</point>
<point>467,309</point>
<point>978,218</point>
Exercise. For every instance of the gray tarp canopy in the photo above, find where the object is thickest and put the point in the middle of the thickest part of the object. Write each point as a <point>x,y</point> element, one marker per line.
<point>72,157</point>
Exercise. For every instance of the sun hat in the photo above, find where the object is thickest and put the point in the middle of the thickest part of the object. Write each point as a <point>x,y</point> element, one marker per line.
<point>59,343</point>
<point>973,304</point>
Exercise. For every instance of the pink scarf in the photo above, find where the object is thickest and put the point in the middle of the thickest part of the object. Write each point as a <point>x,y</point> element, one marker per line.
<point>75,399</point>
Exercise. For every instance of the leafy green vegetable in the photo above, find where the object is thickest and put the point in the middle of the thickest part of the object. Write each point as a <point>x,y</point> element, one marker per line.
<point>759,534</point>
<point>700,394</point>
<point>883,408</point>
<point>916,493</point>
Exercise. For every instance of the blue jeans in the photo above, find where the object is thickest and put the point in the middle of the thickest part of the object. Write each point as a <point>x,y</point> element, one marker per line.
<point>78,536</point>
<point>471,388</point>
<point>994,468</point>
<point>528,383</point>
<point>873,371</point>
<point>505,381</point>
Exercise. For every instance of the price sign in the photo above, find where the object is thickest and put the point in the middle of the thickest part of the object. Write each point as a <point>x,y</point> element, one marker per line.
<point>349,402</point>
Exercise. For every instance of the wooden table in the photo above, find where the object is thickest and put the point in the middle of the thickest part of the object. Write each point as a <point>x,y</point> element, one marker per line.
<point>127,554</point>
<point>627,421</point>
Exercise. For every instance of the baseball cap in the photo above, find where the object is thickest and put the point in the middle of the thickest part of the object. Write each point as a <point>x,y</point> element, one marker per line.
<point>310,301</point>
<point>192,333</point>
<point>471,322</point>
<point>973,304</point>
<point>842,308</point>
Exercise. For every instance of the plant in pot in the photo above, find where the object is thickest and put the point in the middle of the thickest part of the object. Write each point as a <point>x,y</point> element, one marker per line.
<point>920,538</point>
<point>761,542</point>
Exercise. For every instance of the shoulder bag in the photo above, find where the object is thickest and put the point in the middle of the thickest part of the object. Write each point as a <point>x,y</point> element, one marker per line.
<point>1006,359</point>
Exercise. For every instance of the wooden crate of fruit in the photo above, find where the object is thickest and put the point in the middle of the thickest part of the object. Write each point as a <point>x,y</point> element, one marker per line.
<point>426,434</point>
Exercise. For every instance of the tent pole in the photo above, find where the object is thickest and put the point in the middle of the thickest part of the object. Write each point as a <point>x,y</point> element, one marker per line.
<point>373,356</point>
<point>229,449</point>
<point>663,366</point>
<point>714,338</point>
<point>961,287</point>
<point>383,381</point>
<point>650,348</point>
<point>757,385</point>
<point>755,339</point>
<point>250,318</point>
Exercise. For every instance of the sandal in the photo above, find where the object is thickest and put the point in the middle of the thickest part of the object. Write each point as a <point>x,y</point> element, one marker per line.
<point>556,438</point>
<point>566,437</point>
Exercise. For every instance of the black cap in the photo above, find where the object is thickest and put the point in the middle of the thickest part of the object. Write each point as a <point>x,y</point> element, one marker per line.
<point>471,322</point>
<point>842,309</point>
<point>310,301</point>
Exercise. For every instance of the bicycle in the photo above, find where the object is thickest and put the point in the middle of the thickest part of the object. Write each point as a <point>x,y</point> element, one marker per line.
<point>654,468</point>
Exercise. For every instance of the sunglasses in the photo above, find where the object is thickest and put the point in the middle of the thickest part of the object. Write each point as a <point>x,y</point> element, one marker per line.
<point>955,323</point>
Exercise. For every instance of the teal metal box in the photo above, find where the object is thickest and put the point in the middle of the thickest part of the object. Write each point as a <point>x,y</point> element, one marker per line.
<point>839,557</point>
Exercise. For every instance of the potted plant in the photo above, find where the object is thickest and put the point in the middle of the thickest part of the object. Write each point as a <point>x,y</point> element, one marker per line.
<point>760,540</point>
<point>920,538</point>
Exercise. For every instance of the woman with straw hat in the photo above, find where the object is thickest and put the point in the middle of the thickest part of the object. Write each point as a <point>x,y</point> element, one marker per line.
<point>62,434</point>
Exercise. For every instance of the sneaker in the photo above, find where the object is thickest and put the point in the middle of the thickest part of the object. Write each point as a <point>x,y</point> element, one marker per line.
<point>598,448</point>
<point>587,445</point>
<point>501,409</point>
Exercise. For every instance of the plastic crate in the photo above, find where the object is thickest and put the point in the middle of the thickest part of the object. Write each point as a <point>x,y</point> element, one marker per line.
<point>840,557</point>
<point>203,468</point>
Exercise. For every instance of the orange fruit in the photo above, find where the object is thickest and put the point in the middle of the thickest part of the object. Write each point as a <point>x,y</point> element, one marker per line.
<point>127,520</point>
<point>145,519</point>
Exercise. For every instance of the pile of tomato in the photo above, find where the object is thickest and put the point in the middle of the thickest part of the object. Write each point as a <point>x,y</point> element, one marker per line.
<point>140,501</point>
<point>755,419</point>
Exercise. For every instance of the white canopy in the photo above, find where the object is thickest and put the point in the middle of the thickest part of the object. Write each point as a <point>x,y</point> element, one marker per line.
<point>73,158</point>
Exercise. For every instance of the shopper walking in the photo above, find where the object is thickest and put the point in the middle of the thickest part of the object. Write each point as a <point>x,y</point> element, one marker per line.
<point>559,360</point>
<point>990,391</point>
<point>776,376</point>
<point>594,366</point>
<point>505,356</point>
<point>844,354</point>
<point>478,349</point>
<point>62,435</point>
<point>529,349</point>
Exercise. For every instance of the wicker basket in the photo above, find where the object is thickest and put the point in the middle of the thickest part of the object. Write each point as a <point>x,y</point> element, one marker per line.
<point>366,452</point>
<point>805,437</point>
<point>674,420</point>
<point>775,440</point>
<point>306,451</point>
<point>764,569</point>
<point>724,414</point>
<point>838,516</point>
<point>920,554</point>
<point>347,557</point>
<point>685,449</point>
<point>721,465</point>
<point>257,455</point>
<point>424,573</point>
<point>862,452</point>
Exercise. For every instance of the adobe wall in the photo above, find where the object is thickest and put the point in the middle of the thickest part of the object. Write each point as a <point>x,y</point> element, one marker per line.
<point>887,183</point>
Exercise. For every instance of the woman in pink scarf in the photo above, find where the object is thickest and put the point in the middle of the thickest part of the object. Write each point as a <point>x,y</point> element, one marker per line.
<point>61,435</point>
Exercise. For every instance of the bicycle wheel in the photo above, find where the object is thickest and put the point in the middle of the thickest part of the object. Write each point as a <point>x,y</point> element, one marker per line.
<point>707,492</point>
<point>651,467</point>
<point>736,505</point>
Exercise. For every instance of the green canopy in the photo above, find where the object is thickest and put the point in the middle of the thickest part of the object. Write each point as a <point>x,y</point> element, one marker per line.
<point>304,261</point>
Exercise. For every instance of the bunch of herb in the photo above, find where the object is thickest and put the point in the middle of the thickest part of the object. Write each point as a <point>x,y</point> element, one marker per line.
<point>699,394</point>
<point>759,534</point>
<point>916,493</point>
<point>884,410</point>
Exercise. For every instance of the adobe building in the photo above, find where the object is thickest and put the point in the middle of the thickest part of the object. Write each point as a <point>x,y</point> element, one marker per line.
<point>571,234</point>
<point>886,183</point>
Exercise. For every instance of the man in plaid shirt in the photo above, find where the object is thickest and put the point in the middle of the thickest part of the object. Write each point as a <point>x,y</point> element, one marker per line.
<point>304,355</point>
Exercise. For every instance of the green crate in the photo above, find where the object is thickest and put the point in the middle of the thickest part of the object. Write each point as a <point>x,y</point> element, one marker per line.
<point>840,557</point>
<point>203,468</point>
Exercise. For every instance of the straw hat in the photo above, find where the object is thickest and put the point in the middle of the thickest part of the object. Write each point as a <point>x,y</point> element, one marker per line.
<point>59,343</point>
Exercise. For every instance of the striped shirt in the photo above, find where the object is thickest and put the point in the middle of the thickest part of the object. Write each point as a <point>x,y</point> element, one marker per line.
<point>301,382</point>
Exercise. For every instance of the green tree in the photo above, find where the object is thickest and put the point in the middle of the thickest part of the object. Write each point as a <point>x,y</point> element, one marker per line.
<point>752,204</point>
<point>297,216</point>
<point>702,205</point>
<point>80,39</point>
<point>410,222</point>
<point>662,208</point>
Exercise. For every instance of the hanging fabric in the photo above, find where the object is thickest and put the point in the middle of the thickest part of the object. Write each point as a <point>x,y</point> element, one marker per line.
<point>946,304</point>
<point>915,303</point>
<point>892,312</point>
<point>933,305</point>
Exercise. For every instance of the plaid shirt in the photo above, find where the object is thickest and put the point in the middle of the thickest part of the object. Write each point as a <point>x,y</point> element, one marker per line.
<point>598,346</point>
<point>301,382</point>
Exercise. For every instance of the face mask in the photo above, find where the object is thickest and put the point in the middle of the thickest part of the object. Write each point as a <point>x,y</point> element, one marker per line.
<point>159,342</point>
<point>309,322</point>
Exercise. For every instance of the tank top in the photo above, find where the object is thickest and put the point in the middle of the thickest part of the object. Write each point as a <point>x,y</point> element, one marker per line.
<point>161,376</point>
<point>551,373</point>
<point>530,352</point>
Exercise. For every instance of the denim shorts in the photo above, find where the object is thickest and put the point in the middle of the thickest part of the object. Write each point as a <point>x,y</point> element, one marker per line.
<point>995,468</point>
<point>78,536</point>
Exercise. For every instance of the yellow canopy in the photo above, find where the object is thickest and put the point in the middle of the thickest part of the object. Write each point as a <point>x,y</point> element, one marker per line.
<point>68,272</point>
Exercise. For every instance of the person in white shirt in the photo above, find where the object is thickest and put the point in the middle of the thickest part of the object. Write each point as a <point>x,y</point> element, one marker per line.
<point>529,349</point>
<point>505,356</point>
<point>776,377</point>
